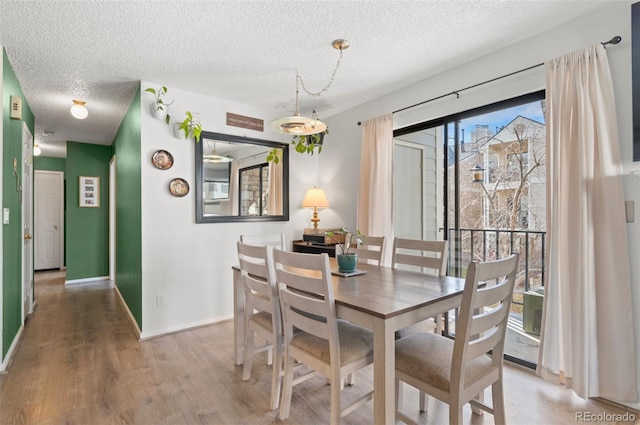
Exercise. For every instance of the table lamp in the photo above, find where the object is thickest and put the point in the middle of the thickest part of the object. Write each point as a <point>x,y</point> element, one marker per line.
<point>315,198</point>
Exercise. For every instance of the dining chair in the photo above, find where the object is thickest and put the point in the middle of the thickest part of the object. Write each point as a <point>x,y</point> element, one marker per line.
<point>458,371</point>
<point>421,255</point>
<point>275,240</point>
<point>334,348</point>
<point>371,249</point>
<point>262,313</point>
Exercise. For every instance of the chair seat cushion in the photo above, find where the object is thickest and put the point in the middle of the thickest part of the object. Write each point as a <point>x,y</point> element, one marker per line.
<point>427,357</point>
<point>356,343</point>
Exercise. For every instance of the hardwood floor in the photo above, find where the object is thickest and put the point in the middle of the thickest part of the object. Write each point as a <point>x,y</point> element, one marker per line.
<point>79,363</point>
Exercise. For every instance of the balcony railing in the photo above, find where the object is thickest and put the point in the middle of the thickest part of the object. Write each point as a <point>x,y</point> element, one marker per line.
<point>466,245</point>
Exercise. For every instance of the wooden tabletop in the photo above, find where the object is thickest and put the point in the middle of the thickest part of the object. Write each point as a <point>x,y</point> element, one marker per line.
<point>385,292</point>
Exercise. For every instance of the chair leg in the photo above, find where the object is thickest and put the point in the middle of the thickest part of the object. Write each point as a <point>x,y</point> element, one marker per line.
<point>351,379</point>
<point>476,410</point>
<point>269,356</point>
<point>497,394</point>
<point>276,379</point>
<point>398,394</point>
<point>336,408</point>
<point>285,402</point>
<point>248,355</point>
<point>455,414</point>
<point>424,401</point>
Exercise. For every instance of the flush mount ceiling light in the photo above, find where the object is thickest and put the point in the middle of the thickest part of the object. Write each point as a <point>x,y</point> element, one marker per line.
<point>36,150</point>
<point>297,124</point>
<point>78,110</point>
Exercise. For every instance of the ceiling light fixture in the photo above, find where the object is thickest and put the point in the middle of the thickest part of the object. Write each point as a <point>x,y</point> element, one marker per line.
<point>78,110</point>
<point>36,150</point>
<point>297,124</point>
<point>214,157</point>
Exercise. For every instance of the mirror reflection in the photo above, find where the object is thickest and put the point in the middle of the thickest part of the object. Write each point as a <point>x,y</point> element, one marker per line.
<point>235,181</point>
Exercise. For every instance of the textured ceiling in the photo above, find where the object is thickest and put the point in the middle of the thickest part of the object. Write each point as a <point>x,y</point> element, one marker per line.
<point>246,51</point>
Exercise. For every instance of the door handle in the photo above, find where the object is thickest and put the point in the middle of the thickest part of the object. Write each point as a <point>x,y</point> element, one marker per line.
<point>27,236</point>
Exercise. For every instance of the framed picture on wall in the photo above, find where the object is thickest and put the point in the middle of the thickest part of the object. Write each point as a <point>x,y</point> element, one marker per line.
<point>90,192</point>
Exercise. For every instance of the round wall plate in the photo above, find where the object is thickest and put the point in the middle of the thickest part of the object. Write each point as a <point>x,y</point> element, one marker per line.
<point>178,187</point>
<point>162,159</point>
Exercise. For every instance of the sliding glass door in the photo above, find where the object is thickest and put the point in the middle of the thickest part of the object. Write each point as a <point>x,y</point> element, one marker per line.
<point>492,191</point>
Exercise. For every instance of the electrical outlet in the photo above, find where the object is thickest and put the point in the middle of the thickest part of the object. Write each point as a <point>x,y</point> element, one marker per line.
<point>160,300</point>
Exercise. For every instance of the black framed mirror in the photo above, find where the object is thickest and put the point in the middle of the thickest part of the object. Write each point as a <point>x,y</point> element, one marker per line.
<point>234,181</point>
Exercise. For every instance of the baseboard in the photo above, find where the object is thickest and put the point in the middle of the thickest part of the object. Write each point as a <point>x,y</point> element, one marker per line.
<point>132,320</point>
<point>190,326</point>
<point>86,280</point>
<point>7,360</point>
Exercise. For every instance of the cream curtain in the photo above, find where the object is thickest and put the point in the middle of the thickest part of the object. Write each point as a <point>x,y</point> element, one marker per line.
<point>587,338</point>
<point>375,197</point>
<point>275,188</point>
<point>233,188</point>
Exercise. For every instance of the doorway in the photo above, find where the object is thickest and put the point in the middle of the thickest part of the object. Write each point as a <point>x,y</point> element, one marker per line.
<point>49,219</point>
<point>27,222</point>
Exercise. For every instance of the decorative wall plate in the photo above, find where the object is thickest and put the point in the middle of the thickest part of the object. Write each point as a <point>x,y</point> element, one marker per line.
<point>179,187</point>
<point>162,159</point>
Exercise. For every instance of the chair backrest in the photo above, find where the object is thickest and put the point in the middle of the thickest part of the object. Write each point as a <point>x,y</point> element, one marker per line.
<point>275,240</point>
<point>419,253</point>
<point>484,314</point>
<point>259,282</point>
<point>372,248</point>
<point>306,297</point>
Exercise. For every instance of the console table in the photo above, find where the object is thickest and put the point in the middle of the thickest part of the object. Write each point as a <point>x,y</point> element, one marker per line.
<point>314,248</point>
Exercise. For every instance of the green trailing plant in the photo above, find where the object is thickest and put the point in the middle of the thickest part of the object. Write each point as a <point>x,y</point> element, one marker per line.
<point>161,104</point>
<point>302,144</point>
<point>274,155</point>
<point>191,126</point>
<point>308,143</point>
<point>349,239</point>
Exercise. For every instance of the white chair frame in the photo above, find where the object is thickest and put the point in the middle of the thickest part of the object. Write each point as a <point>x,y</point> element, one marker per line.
<point>481,327</point>
<point>262,302</point>
<point>307,302</point>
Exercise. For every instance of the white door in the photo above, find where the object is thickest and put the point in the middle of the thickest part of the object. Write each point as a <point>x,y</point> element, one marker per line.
<point>417,186</point>
<point>27,222</point>
<point>48,236</point>
<point>408,187</point>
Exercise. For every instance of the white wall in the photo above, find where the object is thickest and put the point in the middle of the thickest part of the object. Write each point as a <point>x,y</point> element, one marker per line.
<point>339,176</point>
<point>189,263</point>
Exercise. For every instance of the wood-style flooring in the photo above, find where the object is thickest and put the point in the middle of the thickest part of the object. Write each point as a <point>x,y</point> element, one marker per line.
<point>80,363</point>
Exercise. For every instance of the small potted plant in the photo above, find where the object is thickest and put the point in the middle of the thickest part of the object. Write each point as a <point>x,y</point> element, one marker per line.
<point>190,127</point>
<point>347,261</point>
<point>160,109</point>
<point>308,143</point>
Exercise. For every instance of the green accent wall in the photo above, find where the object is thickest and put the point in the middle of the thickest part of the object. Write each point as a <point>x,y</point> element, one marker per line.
<point>12,232</point>
<point>127,148</point>
<point>87,228</point>
<point>47,163</point>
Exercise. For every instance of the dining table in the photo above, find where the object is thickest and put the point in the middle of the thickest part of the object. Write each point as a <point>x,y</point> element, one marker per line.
<point>384,300</point>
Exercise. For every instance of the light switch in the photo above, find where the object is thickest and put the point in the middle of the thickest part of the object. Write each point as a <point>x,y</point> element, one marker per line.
<point>5,216</point>
<point>629,210</point>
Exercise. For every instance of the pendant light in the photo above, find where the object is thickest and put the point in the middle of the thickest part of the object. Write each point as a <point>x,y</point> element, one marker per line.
<point>297,124</point>
<point>214,157</point>
<point>36,150</point>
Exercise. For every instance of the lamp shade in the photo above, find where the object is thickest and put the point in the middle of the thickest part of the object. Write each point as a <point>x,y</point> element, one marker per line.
<point>315,198</point>
<point>298,125</point>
